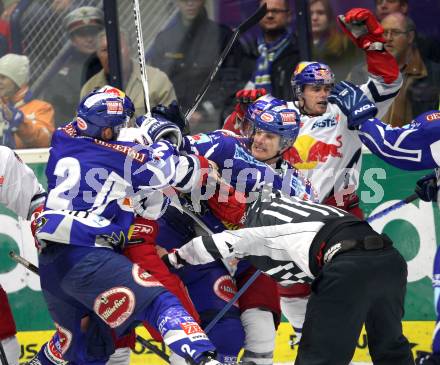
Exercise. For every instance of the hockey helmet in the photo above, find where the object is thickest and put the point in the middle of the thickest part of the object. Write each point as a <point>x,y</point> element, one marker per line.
<point>310,73</point>
<point>263,103</point>
<point>277,119</point>
<point>107,107</point>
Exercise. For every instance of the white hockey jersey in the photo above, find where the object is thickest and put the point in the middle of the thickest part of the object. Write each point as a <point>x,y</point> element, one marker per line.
<point>327,152</point>
<point>20,190</point>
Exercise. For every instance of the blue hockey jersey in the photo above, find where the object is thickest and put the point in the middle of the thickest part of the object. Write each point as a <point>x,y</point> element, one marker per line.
<point>241,170</point>
<point>415,146</point>
<point>90,183</point>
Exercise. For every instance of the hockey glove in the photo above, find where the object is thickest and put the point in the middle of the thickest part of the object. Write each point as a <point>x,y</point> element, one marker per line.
<point>353,103</point>
<point>172,113</point>
<point>366,32</point>
<point>363,29</point>
<point>173,260</point>
<point>427,358</point>
<point>154,128</point>
<point>427,188</point>
<point>242,98</point>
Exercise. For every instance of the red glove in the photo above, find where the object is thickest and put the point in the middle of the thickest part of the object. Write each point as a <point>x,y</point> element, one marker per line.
<point>366,32</point>
<point>243,98</point>
<point>363,28</point>
<point>231,208</point>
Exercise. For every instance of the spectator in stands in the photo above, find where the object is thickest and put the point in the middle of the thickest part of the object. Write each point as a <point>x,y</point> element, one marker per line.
<point>187,51</point>
<point>24,122</point>
<point>330,46</point>
<point>160,87</point>
<point>275,51</point>
<point>386,7</point>
<point>63,89</point>
<point>5,32</point>
<point>428,46</point>
<point>421,77</point>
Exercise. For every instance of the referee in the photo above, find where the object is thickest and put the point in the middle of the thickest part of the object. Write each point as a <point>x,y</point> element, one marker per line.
<point>357,275</point>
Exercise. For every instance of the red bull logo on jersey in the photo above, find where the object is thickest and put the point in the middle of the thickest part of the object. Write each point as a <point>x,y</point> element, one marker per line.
<point>115,305</point>
<point>307,152</point>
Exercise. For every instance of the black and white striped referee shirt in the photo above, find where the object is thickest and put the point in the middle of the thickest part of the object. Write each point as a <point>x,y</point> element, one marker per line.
<point>276,239</point>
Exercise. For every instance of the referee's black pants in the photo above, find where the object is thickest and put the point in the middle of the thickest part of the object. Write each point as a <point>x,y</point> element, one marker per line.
<point>354,288</point>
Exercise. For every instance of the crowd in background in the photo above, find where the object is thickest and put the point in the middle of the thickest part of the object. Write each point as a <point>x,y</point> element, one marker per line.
<point>182,56</point>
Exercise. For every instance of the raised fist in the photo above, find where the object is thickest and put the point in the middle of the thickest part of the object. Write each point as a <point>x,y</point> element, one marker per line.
<point>363,28</point>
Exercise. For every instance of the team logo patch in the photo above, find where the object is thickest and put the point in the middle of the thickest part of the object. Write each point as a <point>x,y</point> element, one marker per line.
<point>112,91</point>
<point>81,123</point>
<point>193,331</point>
<point>289,117</point>
<point>142,229</point>
<point>58,345</point>
<point>114,107</point>
<point>143,278</point>
<point>266,117</point>
<point>433,116</point>
<point>2,180</point>
<point>322,74</point>
<point>224,288</point>
<point>115,305</point>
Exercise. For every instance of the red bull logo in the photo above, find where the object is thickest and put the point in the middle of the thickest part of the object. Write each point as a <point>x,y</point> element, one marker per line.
<point>322,74</point>
<point>307,152</point>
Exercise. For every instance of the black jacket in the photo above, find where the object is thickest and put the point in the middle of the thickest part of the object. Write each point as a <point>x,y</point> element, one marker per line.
<point>188,54</point>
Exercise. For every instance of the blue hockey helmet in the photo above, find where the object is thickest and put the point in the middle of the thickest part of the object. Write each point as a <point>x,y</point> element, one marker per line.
<point>261,104</point>
<point>277,119</point>
<point>310,73</point>
<point>107,107</point>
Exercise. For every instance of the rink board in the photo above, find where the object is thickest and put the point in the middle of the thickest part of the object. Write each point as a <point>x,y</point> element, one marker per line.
<point>418,333</point>
<point>414,228</point>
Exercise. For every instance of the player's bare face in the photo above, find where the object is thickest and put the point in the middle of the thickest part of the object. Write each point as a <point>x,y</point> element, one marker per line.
<point>8,88</point>
<point>265,145</point>
<point>315,98</point>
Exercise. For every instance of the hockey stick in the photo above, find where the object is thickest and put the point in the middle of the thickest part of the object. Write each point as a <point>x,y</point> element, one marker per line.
<point>3,357</point>
<point>22,261</point>
<point>156,350</point>
<point>395,206</point>
<point>243,27</point>
<point>141,55</point>
<point>239,293</point>
<point>31,267</point>
<point>254,276</point>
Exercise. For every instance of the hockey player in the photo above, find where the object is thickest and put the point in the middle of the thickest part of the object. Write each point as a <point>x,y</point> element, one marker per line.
<point>85,224</point>
<point>356,274</point>
<point>328,150</point>
<point>272,133</point>
<point>415,146</point>
<point>21,192</point>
